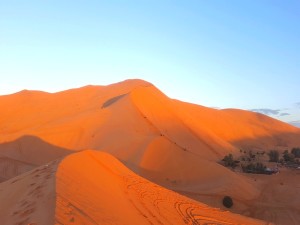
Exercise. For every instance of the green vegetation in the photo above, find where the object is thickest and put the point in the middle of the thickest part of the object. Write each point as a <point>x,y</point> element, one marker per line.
<point>274,156</point>
<point>229,161</point>
<point>291,159</point>
<point>254,168</point>
<point>296,152</point>
<point>253,162</point>
<point>288,157</point>
<point>227,202</point>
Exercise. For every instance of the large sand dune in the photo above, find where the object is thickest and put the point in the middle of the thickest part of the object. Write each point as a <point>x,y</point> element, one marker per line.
<point>172,143</point>
<point>93,187</point>
<point>125,118</point>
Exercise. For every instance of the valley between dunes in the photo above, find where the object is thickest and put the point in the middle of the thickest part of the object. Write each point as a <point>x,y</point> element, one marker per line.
<point>128,154</point>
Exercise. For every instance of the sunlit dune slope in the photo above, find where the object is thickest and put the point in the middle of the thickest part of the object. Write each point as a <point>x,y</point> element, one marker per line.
<point>214,132</point>
<point>166,164</point>
<point>93,187</point>
<point>170,142</point>
<point>129,114</point>
<point>240,128</point>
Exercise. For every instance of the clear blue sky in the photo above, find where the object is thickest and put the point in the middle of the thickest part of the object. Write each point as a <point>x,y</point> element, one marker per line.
<point>220,53</point>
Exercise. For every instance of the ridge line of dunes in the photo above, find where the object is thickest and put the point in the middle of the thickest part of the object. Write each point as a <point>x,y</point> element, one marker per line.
<point>174,144</point>
<point>102,192</point>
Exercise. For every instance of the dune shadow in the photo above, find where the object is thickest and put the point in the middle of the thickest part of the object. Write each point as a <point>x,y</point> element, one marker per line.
<point>112,101</point>
<point>280,140</point>
<point>27,153</point>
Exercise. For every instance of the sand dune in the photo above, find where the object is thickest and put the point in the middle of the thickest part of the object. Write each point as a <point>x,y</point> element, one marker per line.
<point>240,128</point>
<point>172,143</point>
<point>102,192</point>
<point>181,170</point>
<point>135,112</point>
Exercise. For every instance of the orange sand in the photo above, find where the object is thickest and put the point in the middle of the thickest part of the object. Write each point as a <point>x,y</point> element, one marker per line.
<point>172,143</point>
<point>93,187</point>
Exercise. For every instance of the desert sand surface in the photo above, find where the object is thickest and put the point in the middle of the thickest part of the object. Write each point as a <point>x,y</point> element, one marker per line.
<point>92,187</point>
<point>278,200</point>
<point>174,144</point>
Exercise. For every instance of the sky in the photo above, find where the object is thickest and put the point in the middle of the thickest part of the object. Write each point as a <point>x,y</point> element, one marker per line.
<point>217,53</point>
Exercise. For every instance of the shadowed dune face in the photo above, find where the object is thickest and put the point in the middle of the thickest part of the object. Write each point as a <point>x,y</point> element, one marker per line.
<point>112,101</point>
<point>30,197</point>
<point>26,153</point>
<point>26,148</point>
<point>10,168</point>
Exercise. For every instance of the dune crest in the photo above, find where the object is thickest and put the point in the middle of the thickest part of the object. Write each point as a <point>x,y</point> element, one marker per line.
<point>93,187</point>
<point>175,144</point>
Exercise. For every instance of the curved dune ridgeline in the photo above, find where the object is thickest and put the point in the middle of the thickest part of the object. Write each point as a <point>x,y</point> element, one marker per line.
<point>174,144</point>
<point>103,192</point>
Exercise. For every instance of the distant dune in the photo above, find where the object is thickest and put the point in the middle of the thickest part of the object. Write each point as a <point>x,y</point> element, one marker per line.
<point>172,143</point>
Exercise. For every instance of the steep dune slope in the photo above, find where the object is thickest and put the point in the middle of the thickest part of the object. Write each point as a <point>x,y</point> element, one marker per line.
<point>93,187</point>
<point>159,110</point>
<point>171,143</point>
<point>129,197</point>
<point>239,128</point>
<point>129,114</point>
<point>183,171</point>
<point>209,132</point>
<point>64,118</point>
<point>60,123</point>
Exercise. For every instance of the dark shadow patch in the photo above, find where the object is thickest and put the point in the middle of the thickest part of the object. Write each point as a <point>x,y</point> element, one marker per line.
<point>111,101</point>
<point>25,154</point>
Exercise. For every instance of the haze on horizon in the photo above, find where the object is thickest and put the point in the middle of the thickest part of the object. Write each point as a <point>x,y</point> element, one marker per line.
<point>214,53</point>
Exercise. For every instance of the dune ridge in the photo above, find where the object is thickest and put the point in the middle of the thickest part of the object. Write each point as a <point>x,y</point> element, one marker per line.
<point>102,192</point>
<point>172,143</point>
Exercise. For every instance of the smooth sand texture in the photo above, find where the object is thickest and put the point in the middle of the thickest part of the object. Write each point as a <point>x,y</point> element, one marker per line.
<point>172,143</point>
<point>93,187</point>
